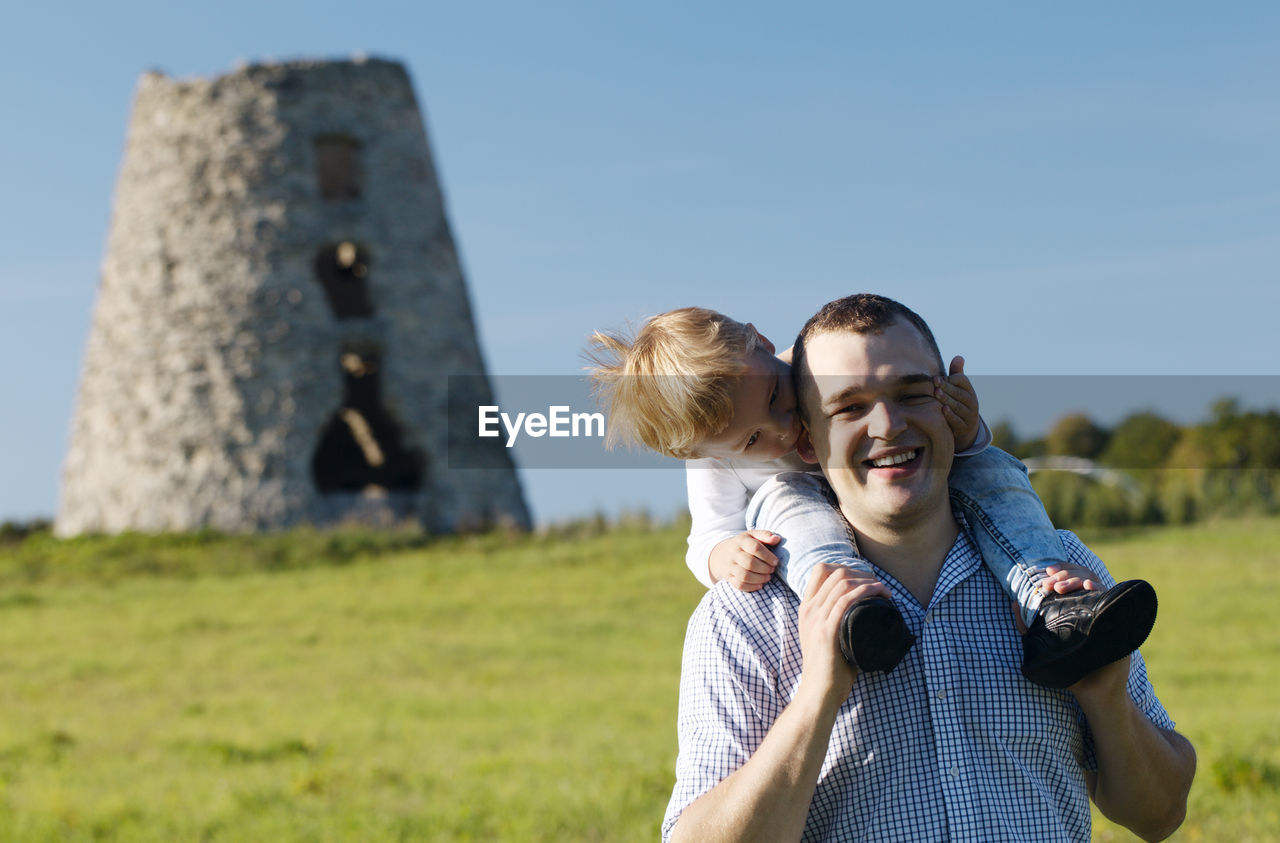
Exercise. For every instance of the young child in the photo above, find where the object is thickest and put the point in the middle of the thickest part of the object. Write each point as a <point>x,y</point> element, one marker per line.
<point>696,385</point>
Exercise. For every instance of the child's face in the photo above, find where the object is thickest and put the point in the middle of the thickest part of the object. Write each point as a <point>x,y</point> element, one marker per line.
<point>765,424</point>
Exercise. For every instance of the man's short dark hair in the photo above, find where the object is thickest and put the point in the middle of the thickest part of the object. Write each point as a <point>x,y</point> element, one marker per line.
<point>861,313</point>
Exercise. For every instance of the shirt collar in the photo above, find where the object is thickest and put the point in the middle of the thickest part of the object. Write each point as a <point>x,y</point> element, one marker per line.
<point>961,562</point>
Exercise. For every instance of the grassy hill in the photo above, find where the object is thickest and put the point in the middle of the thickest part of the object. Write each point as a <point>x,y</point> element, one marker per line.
<point>362,686</point>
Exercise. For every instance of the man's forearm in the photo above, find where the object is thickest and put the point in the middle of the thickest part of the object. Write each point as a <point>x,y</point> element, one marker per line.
<point>1144,772</point>
<point>767,799</point>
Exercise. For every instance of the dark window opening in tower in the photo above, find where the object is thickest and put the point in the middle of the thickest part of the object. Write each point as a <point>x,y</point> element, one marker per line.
<point>362,447</point>
<point>343,271</point>
<point>338,167</point>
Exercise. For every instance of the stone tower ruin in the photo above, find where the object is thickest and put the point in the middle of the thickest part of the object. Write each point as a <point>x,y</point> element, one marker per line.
<point>280,310</point>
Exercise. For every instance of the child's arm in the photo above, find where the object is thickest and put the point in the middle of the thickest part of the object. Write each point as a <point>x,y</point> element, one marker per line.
<point>795,503</point>
<point>719,545</point>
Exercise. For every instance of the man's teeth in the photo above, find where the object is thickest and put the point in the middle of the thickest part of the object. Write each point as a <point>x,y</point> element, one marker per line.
<point>896,459</point>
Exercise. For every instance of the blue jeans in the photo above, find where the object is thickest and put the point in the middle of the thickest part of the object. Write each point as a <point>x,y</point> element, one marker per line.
<point>1008,521</point>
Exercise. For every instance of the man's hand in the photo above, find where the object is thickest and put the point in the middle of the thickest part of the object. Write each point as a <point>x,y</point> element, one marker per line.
<point>1105,686</point>
<point>745,559</point>
<point>832,589</point>
<point>959,404</point>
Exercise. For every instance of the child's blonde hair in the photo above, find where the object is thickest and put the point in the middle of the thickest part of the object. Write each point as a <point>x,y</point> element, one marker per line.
<point>668,386</point>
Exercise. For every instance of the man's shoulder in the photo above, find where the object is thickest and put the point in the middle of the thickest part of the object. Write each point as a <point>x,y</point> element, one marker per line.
<point>753,636</point>
<point>1078,553</point>
<point>764,618</point>
<point>1070,539</point>
<point>724,599</point>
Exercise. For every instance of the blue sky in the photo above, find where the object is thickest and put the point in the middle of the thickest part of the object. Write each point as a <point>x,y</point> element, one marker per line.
<point>1088,189</point>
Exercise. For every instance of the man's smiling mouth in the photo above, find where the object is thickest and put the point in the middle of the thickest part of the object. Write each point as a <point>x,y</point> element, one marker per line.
<point>894,459</point>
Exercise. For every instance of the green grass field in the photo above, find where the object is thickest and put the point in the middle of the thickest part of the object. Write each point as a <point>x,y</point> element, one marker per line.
<point>355,687</point>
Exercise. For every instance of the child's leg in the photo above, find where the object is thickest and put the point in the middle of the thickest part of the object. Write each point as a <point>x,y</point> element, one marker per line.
<point>1073,634</point>
<point>795,506</point>
<point>873,635</point>
<point>1014,534</point>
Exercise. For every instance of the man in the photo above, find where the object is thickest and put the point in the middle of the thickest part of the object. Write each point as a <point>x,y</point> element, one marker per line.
<point>780,737</point>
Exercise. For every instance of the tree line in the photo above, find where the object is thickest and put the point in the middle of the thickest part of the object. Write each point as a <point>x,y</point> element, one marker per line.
<point>1228,465</point>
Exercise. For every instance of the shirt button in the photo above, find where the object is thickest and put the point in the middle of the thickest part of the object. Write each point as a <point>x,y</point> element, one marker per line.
<point>928,618</point>
<point>955,772</point>
<point>942,695</point>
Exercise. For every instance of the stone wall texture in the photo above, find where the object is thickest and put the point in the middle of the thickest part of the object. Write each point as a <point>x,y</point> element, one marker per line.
<point>224,385</point>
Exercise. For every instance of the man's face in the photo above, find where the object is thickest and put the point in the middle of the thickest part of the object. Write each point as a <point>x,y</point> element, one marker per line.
<point>875,427</point>
<point>765,424</point>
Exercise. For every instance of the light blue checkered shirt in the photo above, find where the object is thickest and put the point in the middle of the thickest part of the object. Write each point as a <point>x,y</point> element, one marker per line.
<point>953,745</point>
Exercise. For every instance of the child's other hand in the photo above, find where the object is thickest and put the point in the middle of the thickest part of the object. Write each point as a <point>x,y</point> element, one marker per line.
<point>745,560</point>
<point>959,404</point>
<point>1059,579</point>
<point>1063,579</point>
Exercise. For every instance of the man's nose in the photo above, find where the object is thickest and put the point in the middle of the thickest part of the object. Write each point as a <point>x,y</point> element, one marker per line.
<point>884,422</point>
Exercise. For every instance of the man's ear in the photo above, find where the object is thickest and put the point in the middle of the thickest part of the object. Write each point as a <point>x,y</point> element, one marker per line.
<point>805,448</point>
<point>763,339</point>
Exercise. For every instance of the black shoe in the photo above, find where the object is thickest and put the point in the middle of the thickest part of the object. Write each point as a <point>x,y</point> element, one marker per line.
<point>1077,633</point>
<point>873,635</point>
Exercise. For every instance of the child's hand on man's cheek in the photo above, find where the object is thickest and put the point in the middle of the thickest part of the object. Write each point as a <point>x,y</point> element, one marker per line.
<point>959,404</point>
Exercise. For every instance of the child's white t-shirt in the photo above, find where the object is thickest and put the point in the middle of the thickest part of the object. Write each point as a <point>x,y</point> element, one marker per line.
<point>719,491</point>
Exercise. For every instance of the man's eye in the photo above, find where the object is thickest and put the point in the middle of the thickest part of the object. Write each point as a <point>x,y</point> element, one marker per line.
<point>753,439</point>
<point>773,396</point>
<point>918,397</point>
<point>850,409</point>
